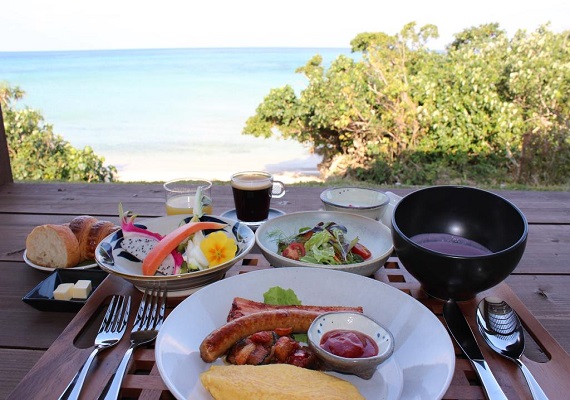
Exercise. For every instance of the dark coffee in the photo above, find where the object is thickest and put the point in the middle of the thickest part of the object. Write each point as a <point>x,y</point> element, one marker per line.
<point>252,197</point>
<point>450,244</point>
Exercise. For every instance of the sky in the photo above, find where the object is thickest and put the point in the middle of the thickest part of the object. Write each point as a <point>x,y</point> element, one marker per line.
<point>39,25</point>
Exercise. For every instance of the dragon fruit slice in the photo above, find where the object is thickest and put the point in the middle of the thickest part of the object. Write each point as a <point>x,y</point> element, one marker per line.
<point>139,241</point>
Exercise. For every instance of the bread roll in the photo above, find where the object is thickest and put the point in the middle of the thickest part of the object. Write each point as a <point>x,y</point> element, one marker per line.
<point>99,231</point>
<point>81,226</point>
<point>53,246</point>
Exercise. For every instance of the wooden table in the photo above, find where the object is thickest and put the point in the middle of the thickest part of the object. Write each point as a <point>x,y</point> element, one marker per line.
<point>541,281</point>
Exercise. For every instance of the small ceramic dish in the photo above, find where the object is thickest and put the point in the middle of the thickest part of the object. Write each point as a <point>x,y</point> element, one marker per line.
<point>364,367</point>
<point>367,202</point>
<point>41,297</point>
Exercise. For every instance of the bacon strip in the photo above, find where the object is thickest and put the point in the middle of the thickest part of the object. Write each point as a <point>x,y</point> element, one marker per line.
<point>242,307</point>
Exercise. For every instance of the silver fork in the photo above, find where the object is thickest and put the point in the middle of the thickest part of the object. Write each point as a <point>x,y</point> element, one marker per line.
<point>110,333</point>
<point>147,323</point>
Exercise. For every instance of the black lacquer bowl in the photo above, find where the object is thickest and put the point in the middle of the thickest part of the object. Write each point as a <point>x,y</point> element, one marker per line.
<point>458,241</point>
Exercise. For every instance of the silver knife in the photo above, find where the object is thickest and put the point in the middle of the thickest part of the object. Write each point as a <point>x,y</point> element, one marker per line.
<point>463,335</point>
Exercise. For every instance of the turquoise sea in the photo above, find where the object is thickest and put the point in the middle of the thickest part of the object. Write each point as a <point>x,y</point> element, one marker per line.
<point>160,114</point>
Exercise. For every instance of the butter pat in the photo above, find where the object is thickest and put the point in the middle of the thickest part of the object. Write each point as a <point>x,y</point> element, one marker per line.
<point>81,289</point>
<point>64,291</point>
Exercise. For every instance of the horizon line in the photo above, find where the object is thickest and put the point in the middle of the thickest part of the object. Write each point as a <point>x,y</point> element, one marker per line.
<point>178,48</point>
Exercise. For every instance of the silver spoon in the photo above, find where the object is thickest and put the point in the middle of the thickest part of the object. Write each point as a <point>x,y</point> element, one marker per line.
<point>502,330</point>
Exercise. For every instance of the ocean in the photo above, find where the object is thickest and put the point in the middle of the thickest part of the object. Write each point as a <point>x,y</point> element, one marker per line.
<point>167,113</point>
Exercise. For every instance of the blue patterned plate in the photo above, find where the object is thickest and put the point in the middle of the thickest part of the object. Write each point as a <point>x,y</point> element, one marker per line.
<point>112,258</point>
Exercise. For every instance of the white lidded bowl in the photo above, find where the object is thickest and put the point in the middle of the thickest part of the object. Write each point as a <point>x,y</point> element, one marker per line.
<point>367,202</point>
<point>363,367</point>
<point>372,234</point>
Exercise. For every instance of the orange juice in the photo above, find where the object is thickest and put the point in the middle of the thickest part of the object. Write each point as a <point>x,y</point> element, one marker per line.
<point>184,204</point>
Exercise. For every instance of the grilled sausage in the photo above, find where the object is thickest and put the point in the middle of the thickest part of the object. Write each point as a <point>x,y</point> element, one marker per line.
<point>219,341</point>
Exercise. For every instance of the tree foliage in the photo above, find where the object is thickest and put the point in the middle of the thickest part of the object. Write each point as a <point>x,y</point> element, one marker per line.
<point>489,109</point>
<point>37,153</point>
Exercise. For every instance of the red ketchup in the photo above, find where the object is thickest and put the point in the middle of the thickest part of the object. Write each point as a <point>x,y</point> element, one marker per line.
<point>349,344</point>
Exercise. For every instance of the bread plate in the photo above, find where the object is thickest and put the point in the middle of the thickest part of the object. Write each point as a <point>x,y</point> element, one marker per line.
<point>82,265</point>
<point>421,366</point>
<point>112,258</point>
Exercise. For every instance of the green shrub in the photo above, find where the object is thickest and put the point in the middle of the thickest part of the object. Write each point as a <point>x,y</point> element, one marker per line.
<point>37,153</point>
<point>487,110</point>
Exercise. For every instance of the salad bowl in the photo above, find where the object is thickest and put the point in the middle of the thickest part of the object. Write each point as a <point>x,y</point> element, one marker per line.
<point>112,258</point>
<point>373,235</point>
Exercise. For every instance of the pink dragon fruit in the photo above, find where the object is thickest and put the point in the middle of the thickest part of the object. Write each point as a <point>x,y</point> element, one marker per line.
<point>139,241</point>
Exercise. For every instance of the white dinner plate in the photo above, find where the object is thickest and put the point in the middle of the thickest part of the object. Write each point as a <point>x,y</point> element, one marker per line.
<point>83,265</point>
<point>421,366</point>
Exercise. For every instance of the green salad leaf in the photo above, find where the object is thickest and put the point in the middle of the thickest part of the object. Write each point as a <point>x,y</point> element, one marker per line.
<point>325,243</point>
<point>318,239</point>
<point>319,249</point>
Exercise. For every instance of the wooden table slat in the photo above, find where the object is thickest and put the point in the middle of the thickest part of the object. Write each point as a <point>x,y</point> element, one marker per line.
<point>103,199</point>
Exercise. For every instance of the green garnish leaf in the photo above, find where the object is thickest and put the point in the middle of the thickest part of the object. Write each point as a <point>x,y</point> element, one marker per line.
<point>278,296</point>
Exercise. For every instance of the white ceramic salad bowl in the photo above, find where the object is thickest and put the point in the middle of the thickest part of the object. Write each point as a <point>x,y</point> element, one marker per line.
<point>112,258</point>
<point>372,234</point>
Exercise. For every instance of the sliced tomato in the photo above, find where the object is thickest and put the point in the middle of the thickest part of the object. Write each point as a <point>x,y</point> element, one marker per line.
<point>361,250</point>
<point>294,251</point>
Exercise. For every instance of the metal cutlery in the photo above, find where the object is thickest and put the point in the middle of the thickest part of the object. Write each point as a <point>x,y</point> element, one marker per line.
<point>149,319</point>
<point>110,333</point>
<point>463,335</point>
<point>502,330</point>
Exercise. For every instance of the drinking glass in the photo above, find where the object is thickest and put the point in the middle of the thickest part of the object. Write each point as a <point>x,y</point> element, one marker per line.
<point>181,195</point>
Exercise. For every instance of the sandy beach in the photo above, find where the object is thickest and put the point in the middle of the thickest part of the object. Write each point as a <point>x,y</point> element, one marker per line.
<point>288,161</point>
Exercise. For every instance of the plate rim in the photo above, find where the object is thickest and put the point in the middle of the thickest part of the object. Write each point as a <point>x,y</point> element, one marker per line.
<point>77,267</point>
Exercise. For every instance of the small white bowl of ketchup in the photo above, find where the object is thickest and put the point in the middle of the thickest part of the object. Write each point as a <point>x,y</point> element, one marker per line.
<point>350,342</point>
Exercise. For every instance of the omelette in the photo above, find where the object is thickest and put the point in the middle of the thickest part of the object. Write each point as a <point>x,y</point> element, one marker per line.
<point>275,382</point>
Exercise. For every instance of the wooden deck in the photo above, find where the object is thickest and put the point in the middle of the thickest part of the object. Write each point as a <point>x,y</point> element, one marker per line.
<point>541,281</point>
